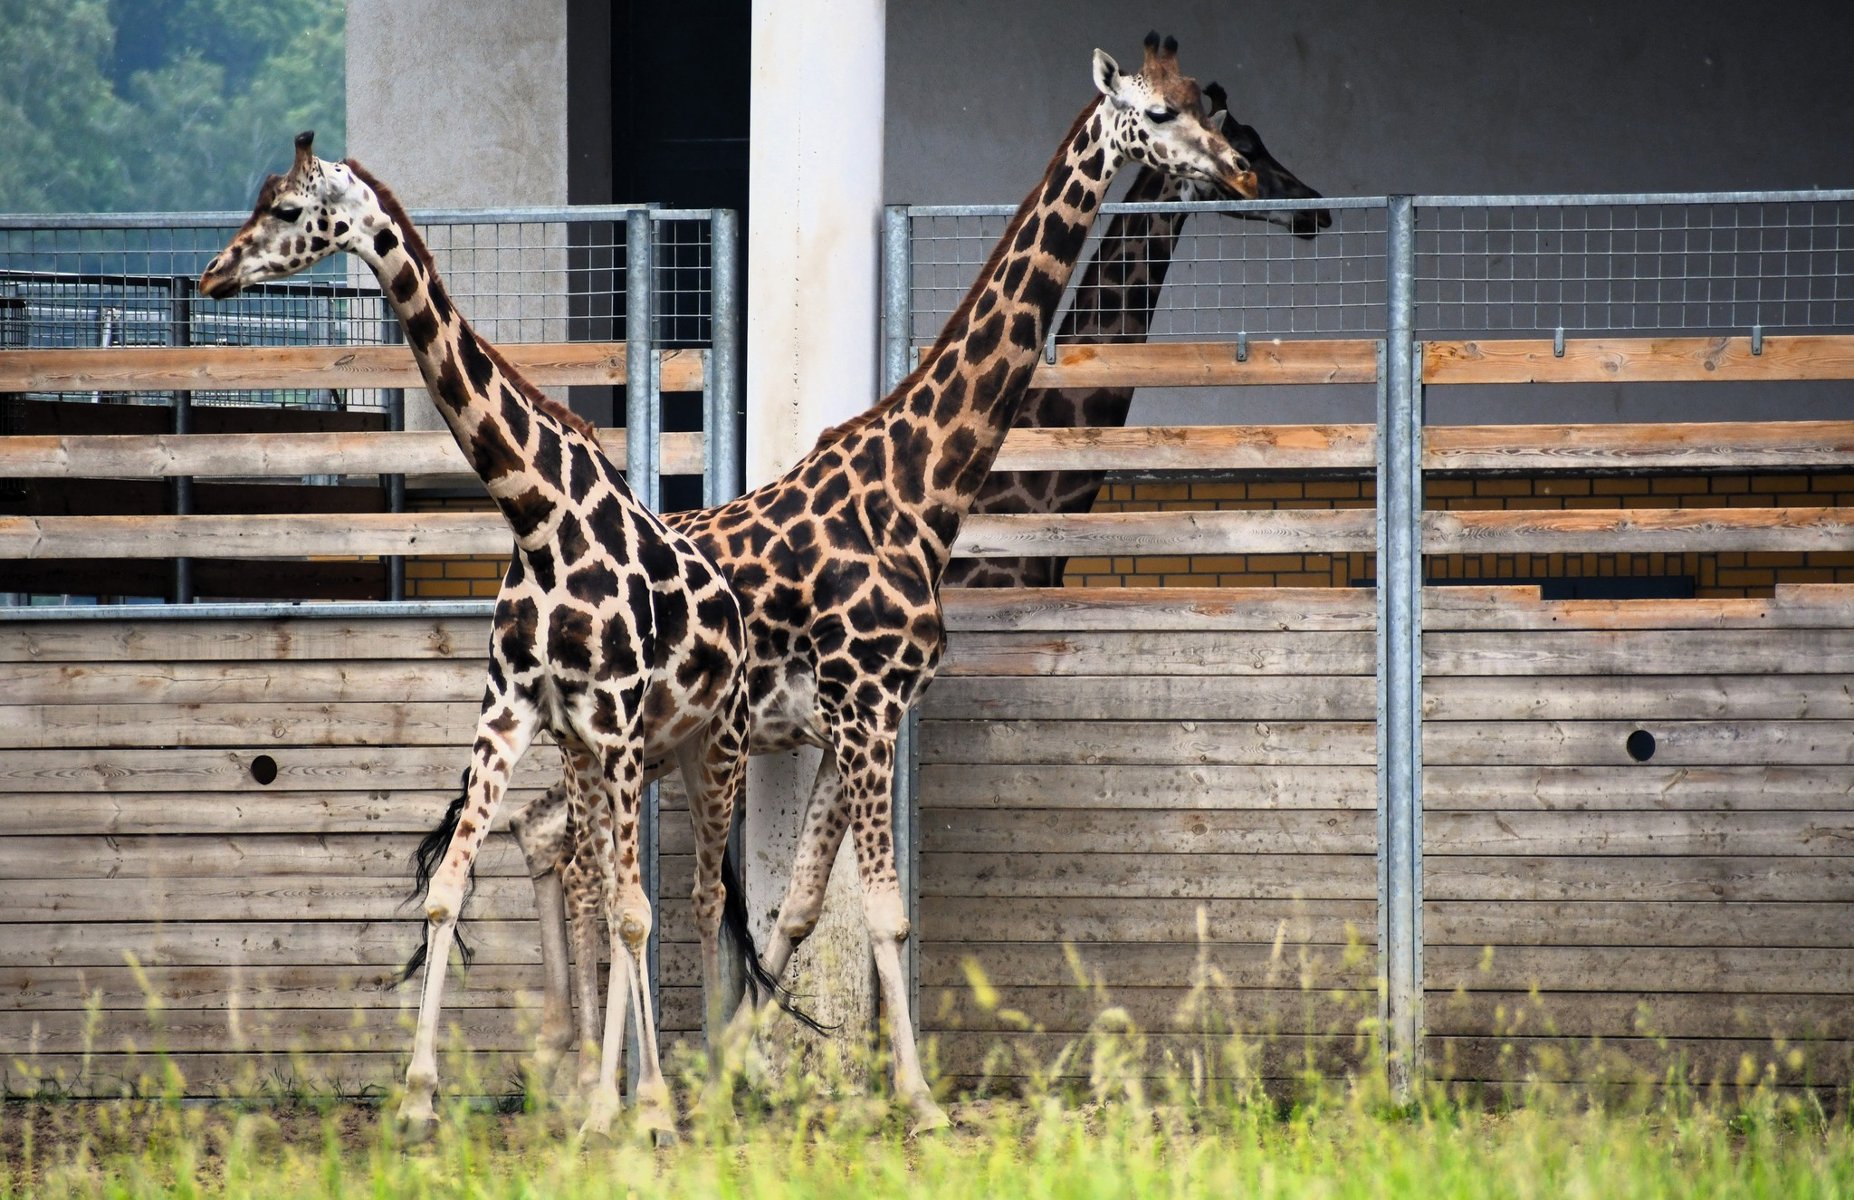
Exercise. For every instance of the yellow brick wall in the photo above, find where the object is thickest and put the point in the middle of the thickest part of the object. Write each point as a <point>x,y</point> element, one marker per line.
<point>1714,574</point>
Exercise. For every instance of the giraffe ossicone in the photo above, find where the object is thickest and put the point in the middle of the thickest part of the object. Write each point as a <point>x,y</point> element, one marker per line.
<point>838,562</point>
<point>612,631</point>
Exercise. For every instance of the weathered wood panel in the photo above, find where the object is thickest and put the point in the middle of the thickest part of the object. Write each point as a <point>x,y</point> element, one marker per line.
<point>278,455</point>
<point>270,916</point>
<point>263,368</point>
<point>1188,364</point>
<point>1638,360</point>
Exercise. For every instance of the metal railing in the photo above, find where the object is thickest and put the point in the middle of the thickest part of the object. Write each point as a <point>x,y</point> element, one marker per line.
<point>1401,270</point>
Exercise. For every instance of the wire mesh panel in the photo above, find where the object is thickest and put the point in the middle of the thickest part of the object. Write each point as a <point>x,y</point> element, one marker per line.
<point>1635,265</point>
<point>1178,271</point>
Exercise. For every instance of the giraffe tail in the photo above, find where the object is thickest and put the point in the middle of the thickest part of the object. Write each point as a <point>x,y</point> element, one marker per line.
<point>425,861</point>
<point>760,981</point>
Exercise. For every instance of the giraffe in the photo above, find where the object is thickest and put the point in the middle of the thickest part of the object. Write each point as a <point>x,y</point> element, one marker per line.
<point>838,562</point>
<point>1114,303</point>
<point>612,632</point>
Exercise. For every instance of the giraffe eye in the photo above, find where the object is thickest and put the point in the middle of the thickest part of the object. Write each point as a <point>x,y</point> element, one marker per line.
<point>286,212</point>
<point>1160,116</point>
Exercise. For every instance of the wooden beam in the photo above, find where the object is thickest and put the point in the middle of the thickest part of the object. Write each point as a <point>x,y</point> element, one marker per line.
<point>1639,360</point>
<point>1631,530</point>
<point>1298,531</point>
<point>1692,446</point>
<point>277,455</point>
<point>1195,364</point>
<point>1123,609</point>
<point>244,368</point>
<point>1191,448</point>
<point>260,536</point>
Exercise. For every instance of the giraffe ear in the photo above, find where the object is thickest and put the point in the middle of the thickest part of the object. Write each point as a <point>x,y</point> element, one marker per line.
<point>1107,76</point>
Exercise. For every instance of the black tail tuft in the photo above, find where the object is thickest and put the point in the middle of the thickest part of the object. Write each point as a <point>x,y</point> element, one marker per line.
<point>425,862</point>
<point>760,981</point>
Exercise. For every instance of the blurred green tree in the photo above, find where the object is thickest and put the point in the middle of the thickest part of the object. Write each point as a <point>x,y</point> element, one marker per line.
<point>162,105</point>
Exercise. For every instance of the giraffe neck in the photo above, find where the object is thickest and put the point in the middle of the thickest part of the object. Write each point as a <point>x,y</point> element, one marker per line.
<point>520,444</point>
<point>947,420</point>
<point>1116,296</point>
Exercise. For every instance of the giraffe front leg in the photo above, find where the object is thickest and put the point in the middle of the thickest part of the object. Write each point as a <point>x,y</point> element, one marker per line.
<point>872,831</point>
<point>501,741</point>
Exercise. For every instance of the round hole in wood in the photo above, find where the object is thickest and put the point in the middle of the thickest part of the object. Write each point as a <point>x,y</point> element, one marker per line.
<point>1640,745</point>
<point>264,769</point>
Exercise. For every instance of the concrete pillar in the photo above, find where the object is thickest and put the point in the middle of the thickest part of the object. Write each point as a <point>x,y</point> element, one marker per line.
<point>813,267</point>
<point>468,113</point>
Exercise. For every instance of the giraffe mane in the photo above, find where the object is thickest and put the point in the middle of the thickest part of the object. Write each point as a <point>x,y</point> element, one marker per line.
<point>415,246</point>
<point>956,322</point>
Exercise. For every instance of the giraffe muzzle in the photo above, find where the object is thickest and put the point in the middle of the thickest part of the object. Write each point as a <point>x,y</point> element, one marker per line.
<point>220,280</point>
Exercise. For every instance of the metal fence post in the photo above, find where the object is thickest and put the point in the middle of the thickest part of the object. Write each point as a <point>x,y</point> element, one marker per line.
<point>1400,577</point>
<point>721,482</point>
<point>897,334</point>
<point>180,310</point>
<point>643,422</point>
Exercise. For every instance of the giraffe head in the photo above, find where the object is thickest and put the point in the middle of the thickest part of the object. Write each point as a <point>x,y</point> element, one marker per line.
<point>1272,180</point>
<point>301,217</point>
<point>1155,116</point>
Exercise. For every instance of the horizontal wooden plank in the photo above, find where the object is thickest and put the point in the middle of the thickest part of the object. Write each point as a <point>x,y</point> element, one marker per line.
<point>963,786</point>
<point>160,683</point>
<point>280,455</point>
<point>1153,697</point>
<point>260,535</point>
<point>1007,1060</point>
<point>953,1011</point>
<point>299,769</point>
<point>1639,360</point>
<point>1650,1061</point>
<point>1336,743</point>
<point>240,368</point>
<point>255,985</point>
<point>965,919</point>
<point>1676,743</point>
<point>1188,364</point>
<point>1277,531</point>
<point>1190,448</point>
<point>1641,652</point>
<point>509,1027</point>
<point>1638,1013</point>
<point>1637,923</point>
<point>1042,964</point>
<point>1186,652</point>
<point>308,723</point>
<point>1732,970</point>
<point>1639,786</point>
<point>1073,609</point>
<point>1827,834</point>
<point>1640,697</point>
<point>247,640</point>
<point>1631,446</point>
<point>1792,878</point>
<point>210,856</point>
<point>1160,831</point>
<point>1482,607</point>
<point>1160,876</point>
<point>239,1074</point>
<point>1632,530</point>
<point>377,945</point>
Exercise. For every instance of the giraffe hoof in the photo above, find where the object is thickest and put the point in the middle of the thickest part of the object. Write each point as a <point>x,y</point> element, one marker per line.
<point>417,1124</point>
<point>597,1127</point>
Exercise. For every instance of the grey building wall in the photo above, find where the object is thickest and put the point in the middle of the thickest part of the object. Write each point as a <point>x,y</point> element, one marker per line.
<point>1424,96</point>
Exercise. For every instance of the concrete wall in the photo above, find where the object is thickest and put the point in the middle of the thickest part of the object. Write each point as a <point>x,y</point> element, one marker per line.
<point>1426,96</point>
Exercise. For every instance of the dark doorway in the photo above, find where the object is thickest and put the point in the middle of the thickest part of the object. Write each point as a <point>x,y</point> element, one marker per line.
<point>657,113</point>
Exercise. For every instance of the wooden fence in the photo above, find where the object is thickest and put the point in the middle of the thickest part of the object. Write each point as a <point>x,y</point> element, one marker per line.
<point>1109,765</point>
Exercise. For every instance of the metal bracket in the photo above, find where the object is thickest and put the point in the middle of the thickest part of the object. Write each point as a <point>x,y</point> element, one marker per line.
<point>1557,343</point>
<point>1049,345</point>
<point>1757,339</point>
<point>1242,347</point>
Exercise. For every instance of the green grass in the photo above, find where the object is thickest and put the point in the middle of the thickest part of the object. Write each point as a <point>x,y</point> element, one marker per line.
<point>1341,1139</point>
